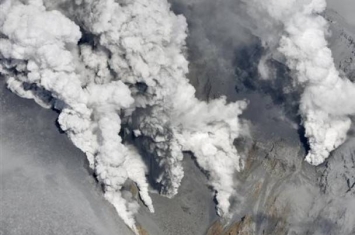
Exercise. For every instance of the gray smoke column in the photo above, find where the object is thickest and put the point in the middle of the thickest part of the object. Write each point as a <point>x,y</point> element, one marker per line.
<point>38,49</point>
<point>108,63</point>
<point>328,100</point>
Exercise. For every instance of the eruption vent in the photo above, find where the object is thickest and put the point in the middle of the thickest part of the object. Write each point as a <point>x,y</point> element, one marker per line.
<point>328,100</point>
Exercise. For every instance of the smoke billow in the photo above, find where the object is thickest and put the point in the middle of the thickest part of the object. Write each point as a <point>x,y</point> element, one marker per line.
<point>36,49</point>
<point>328,100</point>
<point>108,64</point>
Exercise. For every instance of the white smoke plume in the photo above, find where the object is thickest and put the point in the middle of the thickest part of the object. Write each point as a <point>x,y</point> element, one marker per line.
<point>328,100</point>
<point>108,63</point>
<point>36,49</point>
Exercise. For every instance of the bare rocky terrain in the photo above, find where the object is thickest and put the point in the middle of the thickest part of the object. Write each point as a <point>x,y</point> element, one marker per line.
<point>47,187</point>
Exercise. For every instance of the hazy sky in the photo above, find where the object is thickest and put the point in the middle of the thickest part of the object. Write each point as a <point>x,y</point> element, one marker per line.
<point>346,8</point>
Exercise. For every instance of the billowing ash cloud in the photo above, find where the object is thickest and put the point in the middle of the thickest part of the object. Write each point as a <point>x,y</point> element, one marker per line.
<point>107,64</point>
<point>328,100</point>
<point>37,49</point>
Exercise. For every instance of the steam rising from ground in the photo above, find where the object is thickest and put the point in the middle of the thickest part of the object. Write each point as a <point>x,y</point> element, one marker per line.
<point>116,71</point>
<point>104,64</point>
<point>328,100</point>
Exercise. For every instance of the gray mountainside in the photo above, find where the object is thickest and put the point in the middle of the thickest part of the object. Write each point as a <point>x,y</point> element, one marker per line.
<point>342,43</point>
<point>277,191</point>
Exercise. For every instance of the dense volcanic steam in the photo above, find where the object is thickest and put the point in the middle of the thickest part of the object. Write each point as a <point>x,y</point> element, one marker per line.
<point>106,64</point>
<point>328,100</point>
